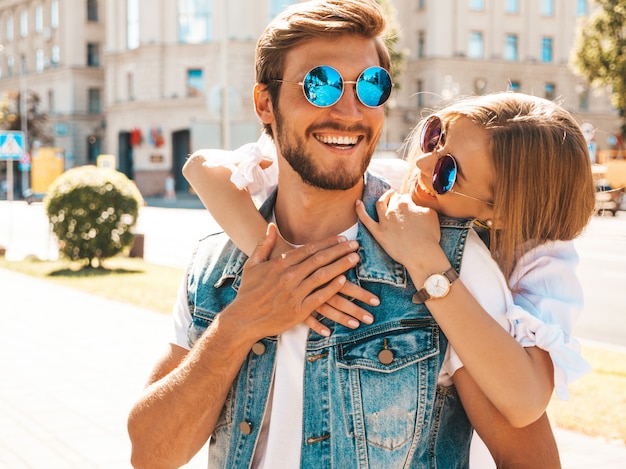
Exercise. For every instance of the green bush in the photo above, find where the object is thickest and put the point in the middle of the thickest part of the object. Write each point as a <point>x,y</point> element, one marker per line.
<point>93,212</point>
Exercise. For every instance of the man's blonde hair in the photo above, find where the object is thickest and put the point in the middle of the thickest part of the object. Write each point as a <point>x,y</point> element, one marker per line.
<point>316,19</point>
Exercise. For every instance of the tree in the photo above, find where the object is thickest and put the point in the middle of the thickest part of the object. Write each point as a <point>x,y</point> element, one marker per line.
<point>398,57</point>
<point>599,54</point>
<point>36,121</point>
<point>93,212</point>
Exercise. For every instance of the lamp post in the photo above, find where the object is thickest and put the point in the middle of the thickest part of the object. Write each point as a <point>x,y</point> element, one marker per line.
<point>24,111</point>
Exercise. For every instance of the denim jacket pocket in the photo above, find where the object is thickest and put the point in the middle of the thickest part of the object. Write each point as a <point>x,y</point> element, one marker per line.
<point>386,379</point>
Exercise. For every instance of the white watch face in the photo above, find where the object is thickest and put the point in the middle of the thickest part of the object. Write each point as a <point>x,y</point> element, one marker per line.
<point>437,285</point>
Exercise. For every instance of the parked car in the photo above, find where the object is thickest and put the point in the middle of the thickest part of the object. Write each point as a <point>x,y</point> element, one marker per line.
<point>608,199</point>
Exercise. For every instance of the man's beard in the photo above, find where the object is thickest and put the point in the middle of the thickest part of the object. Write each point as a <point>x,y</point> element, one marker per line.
<point>294,151</point>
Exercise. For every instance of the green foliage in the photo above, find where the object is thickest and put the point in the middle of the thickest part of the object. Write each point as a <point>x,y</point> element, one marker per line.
<point>93,211</point>
<point>599,53</point>
<point>36,121</point>
<point>398,57</point>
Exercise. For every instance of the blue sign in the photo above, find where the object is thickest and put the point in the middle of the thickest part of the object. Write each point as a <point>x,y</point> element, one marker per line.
<point>11,145</point>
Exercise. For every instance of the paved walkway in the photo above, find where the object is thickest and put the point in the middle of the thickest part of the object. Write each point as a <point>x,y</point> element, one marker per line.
<point>72,363</point>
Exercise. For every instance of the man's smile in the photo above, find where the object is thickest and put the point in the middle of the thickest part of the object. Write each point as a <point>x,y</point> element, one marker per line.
<point>338,141</point>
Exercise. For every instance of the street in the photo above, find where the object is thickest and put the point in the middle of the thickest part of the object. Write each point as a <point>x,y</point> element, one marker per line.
<point>171,233</point>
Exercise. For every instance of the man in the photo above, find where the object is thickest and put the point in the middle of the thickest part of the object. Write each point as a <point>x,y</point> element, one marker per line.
<point>267,391</point>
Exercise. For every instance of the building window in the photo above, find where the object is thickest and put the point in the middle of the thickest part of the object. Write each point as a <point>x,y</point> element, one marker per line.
<point>583,100</point>
<point>477,4</point>
<point>39,61</point>
<point>420,93</point>
<point>421,44</point>
<point>510,49</point>
<point>276,6</point>
<point>55,55</point>
<point>547,7</point>
<point>130,86</point>
<point>10,66</point>
<point>550,91</point>
<point>194,21</point>
<point>92,10</point>
<point>54,14</point>
<point>93,54</point>
<point>132,24</point>
<point>581,8</point>
<point>514,86</point>
<point>95,105</point>
<point>51,108</point>
<point>546,49</point>
<point>195,82</point>
<point>94,148</point>
<point>476,45</point>
<point>512,6</point>
<point>24,23</point>
<point>9,32</point>
<point>39,18</point>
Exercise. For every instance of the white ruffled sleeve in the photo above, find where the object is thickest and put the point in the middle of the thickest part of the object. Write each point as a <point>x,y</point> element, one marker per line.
<point>245,165</point>
<point>550,300</point>
<point>541,313</point>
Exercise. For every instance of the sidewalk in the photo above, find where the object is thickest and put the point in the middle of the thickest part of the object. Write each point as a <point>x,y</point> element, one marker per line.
<point>72,363</point>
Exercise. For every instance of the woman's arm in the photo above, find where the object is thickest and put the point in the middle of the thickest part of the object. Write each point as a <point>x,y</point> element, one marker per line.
<point>517,380</point>
<point>233,209</point>
<point>530,447</point>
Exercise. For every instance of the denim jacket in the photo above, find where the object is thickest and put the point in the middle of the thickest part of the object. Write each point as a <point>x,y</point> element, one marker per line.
<point>362,408</point>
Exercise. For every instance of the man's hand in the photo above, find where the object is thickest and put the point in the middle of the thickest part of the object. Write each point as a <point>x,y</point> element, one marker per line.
<point>277,294</point>
<point>339,308</point>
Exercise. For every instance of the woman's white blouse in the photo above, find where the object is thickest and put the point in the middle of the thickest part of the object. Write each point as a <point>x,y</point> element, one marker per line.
<point>547,296</point>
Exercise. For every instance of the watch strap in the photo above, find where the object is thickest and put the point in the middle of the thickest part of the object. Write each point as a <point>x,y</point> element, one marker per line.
<point>422,295</point>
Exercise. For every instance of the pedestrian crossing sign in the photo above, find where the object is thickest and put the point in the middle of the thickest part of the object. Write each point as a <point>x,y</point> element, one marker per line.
<point>11,145</point>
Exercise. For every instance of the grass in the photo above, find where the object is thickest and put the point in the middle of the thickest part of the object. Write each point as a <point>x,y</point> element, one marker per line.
<point>597,406</point>
<point>130,280</point>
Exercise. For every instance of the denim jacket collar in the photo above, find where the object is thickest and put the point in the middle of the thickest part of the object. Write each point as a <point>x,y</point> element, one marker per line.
<point>375,264</point>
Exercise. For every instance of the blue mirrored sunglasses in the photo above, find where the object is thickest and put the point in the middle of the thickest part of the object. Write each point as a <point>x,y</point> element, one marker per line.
<point>444,174</point>
<point>323,86</point>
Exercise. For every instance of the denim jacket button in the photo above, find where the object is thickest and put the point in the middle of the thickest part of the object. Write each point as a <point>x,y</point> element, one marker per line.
<point>245,427</point>
<point>258,348</point>
<point>385,356</point>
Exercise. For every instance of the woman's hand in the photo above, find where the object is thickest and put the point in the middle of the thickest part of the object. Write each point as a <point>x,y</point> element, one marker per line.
<point>339,308</point>
<point>276,294</point>
<point>344,311</point>
<point>407,232</point>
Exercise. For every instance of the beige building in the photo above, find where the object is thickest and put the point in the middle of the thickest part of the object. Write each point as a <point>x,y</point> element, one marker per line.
<point>54,48</point>
<point>175,76</point>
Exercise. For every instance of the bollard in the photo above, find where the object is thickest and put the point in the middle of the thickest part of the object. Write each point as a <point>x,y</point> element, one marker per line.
<point>136,249</point>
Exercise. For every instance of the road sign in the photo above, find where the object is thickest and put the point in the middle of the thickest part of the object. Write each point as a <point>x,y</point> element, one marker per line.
<point>11,145</point>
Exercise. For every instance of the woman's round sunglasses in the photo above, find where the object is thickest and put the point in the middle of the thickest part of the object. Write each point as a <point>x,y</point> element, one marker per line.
<point>323,86</point>
<point>444,174</point>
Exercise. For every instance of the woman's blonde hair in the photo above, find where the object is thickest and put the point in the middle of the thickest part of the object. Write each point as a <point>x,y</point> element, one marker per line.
<point>316,19</point>
<point>543,187</point>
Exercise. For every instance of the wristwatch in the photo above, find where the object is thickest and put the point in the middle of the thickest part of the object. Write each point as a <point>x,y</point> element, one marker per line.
<point>436,286</point>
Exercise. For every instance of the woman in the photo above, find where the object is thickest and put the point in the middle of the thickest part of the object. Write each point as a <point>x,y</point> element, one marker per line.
<point>493,158</point>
